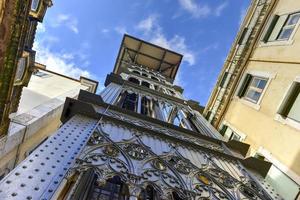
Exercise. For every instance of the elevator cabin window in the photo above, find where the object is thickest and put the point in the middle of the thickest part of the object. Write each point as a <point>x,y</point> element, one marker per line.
<point>134,80</point>
<point>154,78</point>
<point>130,101</point>
<point>146,108</point>
<point>136,72</point>
<point>145,84</point>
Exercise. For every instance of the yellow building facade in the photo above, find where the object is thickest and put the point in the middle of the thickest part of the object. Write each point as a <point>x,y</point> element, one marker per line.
<point>257,100</point>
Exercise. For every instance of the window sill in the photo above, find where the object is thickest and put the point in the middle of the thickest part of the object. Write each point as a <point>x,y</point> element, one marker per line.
<point>276,43</point>
<point>249,103</point>
<point>287,121</point>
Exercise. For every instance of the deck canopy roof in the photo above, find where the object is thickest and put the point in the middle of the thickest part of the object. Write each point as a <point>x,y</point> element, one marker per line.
<point>148,55</point>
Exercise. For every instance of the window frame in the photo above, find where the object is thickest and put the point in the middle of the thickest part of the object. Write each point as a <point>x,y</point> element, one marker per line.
<point>241,85</point>
<point>35,9</point>
<point>255,89</point>
<point>285,105</point>
<point>287,26</point>
<point>269,28</point>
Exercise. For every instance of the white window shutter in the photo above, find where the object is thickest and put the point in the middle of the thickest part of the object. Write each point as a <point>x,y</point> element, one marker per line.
<point>278,27</point>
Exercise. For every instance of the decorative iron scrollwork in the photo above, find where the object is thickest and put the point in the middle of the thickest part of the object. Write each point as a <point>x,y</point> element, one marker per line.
<point>159,165</point>
<point>136,151</point>
<point>182,166</point>
<point>95,139</point>
<point>223,177</point>
<point>247,192</point>
<point>111,151</point>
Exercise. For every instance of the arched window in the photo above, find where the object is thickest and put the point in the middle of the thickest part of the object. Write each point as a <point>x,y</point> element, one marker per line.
<point>145,84</point>
<point>136,72</point>
<point>114,188</point>
<point>134,80</point>
<point>154,78</point>
<point>145,75</point>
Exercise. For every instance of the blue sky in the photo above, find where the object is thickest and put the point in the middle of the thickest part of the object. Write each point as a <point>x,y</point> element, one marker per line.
<point>83,37</point>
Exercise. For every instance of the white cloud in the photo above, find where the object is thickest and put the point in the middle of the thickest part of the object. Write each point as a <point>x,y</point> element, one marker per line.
<point>121,30</point>
<point>198,10</point>
<point>195,9</point>
<point>65,20</point>
<point>148,23</point>
<point>62,63</point>
<point>176,43</point>
<point>40,28</point>
<point>104,30</point>
<point>219,9</point>
<point>213,46</point>
<point>154,33</point>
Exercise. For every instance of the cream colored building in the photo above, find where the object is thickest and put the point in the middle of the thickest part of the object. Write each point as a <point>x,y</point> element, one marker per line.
<point>256,99</point>
<point>38,115</point>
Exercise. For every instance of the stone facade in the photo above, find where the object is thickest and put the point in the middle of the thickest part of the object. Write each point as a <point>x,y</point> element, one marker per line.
<point>17,29</point>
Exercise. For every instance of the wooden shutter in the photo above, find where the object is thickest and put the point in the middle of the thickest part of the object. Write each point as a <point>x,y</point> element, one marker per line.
<point>277,28</point>
<point>244,86</point>
<point>270,28</point>
<point>241,39</point>
<point>223,79</point>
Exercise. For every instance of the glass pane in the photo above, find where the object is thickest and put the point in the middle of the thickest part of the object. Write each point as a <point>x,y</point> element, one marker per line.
<point>176,121</point>
<point>253,95</point>
<point>235,137</point>
<point>255,82</point>
<point>20,69</point>
<point>294,19</point>
<point>262,84</point>
<point>34,4</point>
<point>286,33</point>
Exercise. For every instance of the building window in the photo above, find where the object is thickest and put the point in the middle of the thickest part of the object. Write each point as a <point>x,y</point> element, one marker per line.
<point>145,75</point>
<point>113,188</point>
<point>154,78</point>
<point>145,84</point>
<point>252,88</point>
<point>146,107</point>
<point>149,193</point>
<point>136,72</point>
<point>129,101</point>
<point>290,107</point>
<point>35,5</point>
<point>167,109</point>
<point>134,80</point>
<point>179,121</point>
<point>281,27</point>
<point>230,134</point>
<point>289,27</point>
<point>20,69</point>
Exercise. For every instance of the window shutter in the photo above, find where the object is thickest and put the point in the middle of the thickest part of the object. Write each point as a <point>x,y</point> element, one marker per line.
<point>277,28</point>
<point>244,86</point>
<point>242,36</point>
<point>270,28</point>
<point>223,79</point>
